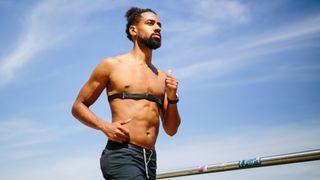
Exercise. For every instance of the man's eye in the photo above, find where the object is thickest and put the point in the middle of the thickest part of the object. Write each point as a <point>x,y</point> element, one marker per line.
<point>149,23</point>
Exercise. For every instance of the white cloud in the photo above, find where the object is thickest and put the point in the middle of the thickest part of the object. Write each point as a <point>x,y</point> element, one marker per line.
<point>303,29</point>
<point>221,10</point>
<point>48,24</point>
<point>232,58</point>
<point>80,167</point>
<point>205,17</point>
<point>30,150</point>
<point>215,68</point>
<point>24,139</point>
<point>18,130</point>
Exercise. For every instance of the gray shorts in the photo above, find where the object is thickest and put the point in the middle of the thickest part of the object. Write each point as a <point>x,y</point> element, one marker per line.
<point>123,161</point>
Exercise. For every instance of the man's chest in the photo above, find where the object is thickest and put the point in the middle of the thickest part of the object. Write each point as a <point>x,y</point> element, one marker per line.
<point>137,79</point>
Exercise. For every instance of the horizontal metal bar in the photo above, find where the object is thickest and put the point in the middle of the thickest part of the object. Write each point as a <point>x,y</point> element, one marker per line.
<point>296,157</point>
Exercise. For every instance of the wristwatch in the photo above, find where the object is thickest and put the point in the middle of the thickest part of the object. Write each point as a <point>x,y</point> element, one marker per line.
<point>173,101</point>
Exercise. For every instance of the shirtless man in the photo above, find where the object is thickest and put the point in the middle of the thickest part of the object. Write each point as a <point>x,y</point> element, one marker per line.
<point>139,96</point>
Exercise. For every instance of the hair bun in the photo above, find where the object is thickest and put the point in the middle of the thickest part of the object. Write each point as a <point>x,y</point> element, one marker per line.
<point>132,11</point>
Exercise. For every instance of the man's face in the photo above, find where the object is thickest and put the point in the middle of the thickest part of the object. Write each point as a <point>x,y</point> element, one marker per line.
<point>149,28</point>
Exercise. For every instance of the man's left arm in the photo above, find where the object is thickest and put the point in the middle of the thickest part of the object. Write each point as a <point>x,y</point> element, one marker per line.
<point>171,119</point>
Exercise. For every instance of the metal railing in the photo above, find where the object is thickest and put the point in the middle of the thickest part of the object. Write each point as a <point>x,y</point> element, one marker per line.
<point>296,157</point>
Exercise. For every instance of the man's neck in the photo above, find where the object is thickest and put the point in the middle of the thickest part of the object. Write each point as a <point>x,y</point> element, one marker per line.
<point>142,54</point>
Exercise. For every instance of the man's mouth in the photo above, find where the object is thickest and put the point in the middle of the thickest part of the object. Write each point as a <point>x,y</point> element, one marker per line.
<point>156,35</point>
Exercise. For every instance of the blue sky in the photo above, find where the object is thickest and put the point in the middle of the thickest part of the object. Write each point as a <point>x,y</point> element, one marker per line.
<point>249,75</point>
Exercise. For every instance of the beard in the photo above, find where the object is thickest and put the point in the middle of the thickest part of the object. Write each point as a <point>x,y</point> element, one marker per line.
<point>151,43</point>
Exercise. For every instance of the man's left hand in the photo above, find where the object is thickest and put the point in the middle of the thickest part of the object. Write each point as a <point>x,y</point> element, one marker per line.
<point>171,86</point>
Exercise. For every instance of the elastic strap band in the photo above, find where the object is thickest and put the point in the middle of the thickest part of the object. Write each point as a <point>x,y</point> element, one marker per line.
<point>146,96</point>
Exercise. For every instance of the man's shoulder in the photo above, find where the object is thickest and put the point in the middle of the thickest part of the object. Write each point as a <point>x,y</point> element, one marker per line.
<point>114,60</point>
<point>105,66</point>
<point>109,61</point>
<point>109,64</point>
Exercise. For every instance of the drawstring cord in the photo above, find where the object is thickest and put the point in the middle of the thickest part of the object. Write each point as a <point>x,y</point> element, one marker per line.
<point>146,162</point>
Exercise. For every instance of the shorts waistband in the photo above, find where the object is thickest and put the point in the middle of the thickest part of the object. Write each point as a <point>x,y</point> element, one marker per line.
<point>115,145</point>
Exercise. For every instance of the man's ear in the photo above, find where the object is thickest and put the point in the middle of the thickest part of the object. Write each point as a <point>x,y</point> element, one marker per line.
<point>133,30</point>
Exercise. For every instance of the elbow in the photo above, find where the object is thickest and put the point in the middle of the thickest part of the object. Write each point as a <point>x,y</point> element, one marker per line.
<point>75,109</point>
<point>172,129</point>
<point>79,110</point>
<point>172,133</point>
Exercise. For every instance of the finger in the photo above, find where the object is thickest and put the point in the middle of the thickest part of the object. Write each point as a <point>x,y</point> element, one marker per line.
<point>119,139</point>
<point>124,130</point>
<point>115,138</point>
<point>120,134</point>
<point>169,72</point>
<point>170,78</point>
<point>171,81</point>
<point>172,86</point>
<point>125,122</point>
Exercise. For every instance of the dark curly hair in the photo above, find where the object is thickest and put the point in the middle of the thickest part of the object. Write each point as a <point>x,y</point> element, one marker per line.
<point>133,16</point>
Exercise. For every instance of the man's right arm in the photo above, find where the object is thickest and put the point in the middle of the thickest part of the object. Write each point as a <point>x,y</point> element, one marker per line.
<point>88,94</point>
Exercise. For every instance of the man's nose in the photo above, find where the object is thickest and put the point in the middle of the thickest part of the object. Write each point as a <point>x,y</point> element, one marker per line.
<point>157,29</point>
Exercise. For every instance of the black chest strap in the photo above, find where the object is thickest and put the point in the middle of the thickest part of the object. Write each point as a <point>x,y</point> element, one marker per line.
<point>146,96</point>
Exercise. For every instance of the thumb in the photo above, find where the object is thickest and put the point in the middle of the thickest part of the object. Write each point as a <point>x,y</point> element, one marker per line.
<point>169,72</point>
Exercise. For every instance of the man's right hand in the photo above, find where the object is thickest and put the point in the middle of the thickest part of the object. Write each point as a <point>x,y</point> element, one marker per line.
<point>117,132</point>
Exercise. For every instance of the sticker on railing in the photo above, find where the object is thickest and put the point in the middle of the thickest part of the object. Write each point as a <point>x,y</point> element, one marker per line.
<point>249,163</point>
<point>202,169</point>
